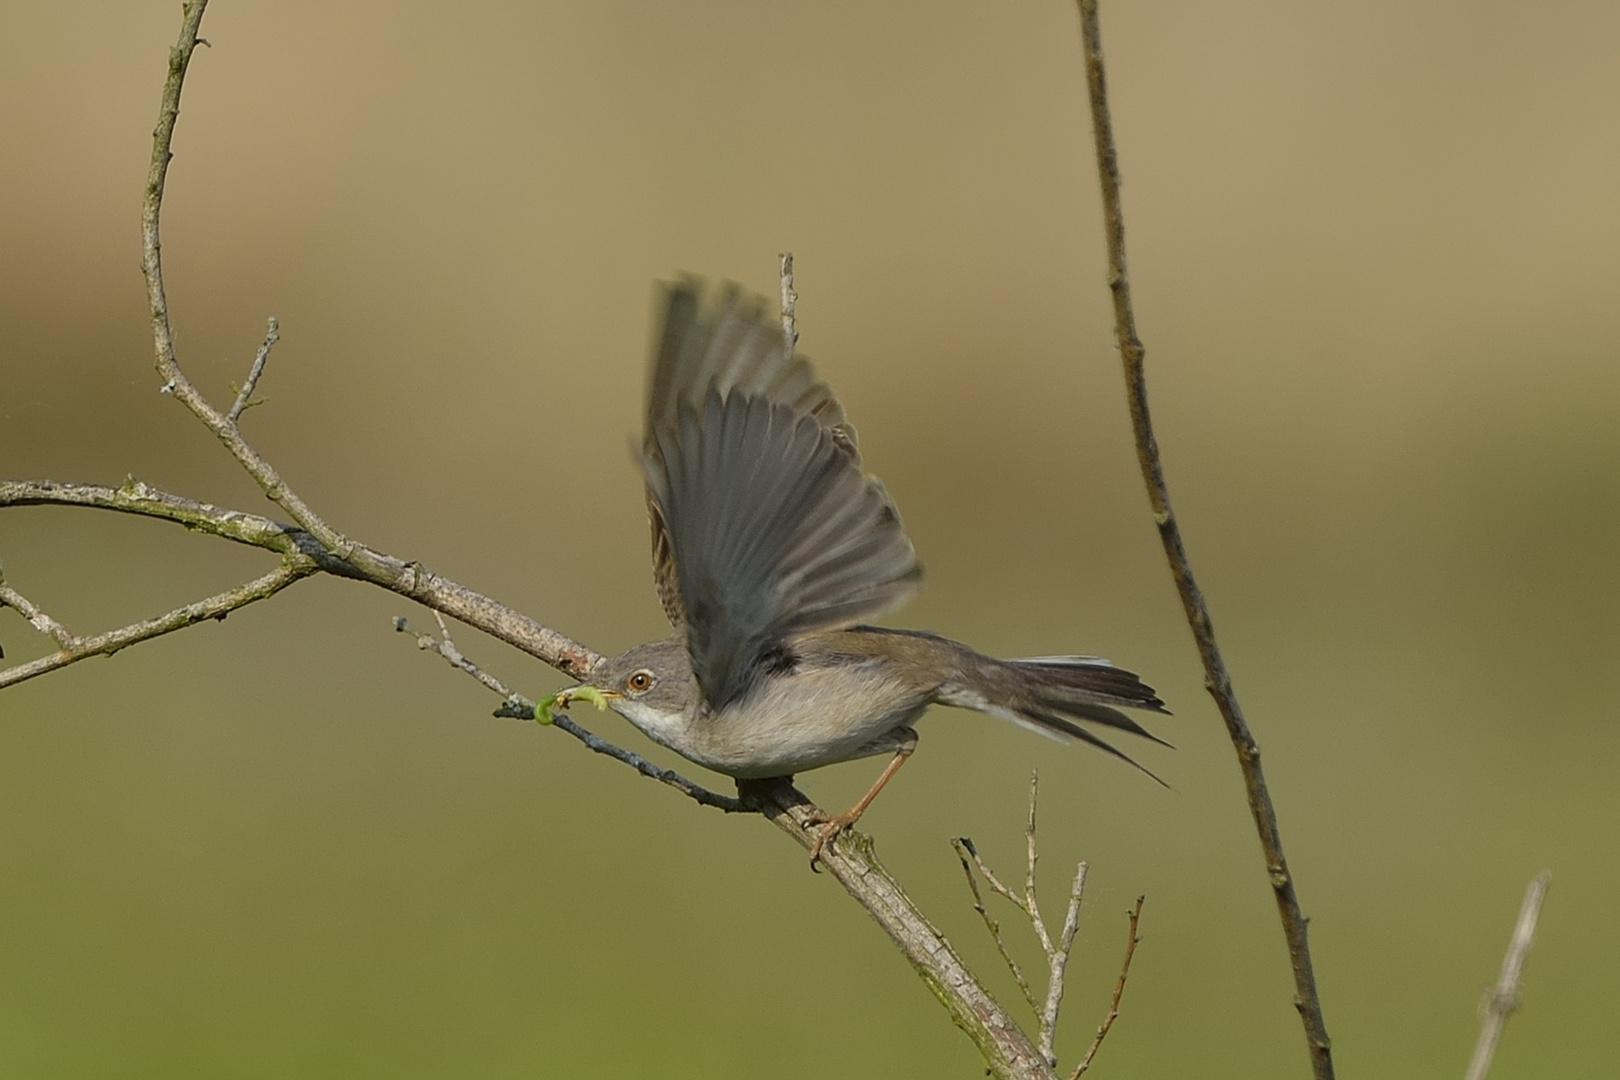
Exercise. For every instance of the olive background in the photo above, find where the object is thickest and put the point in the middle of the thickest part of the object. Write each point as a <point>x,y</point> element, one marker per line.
<point>1374,248</point>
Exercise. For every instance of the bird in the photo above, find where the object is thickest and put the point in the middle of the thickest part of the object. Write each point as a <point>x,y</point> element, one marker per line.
<point>772,551</point>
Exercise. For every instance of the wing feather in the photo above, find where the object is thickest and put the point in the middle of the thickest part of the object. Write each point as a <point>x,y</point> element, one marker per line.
<point>764,526</point>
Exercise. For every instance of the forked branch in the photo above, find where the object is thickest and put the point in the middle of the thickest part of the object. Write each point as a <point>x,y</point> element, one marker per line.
<point>223,425</point>
<point>73,648</point>
<point>1057,951</point>
<point>302,554</point>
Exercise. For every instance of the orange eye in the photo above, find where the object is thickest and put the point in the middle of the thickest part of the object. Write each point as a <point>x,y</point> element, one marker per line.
<point>640,682</point>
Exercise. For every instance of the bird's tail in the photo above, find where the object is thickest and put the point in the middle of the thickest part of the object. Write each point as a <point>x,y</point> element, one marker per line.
<point>1049,694</point>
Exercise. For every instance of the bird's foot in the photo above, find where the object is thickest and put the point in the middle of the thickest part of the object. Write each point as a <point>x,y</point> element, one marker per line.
<point>831,827</point>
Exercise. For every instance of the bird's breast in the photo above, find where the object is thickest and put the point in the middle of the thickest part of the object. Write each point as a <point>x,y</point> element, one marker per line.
<point>806,718</point>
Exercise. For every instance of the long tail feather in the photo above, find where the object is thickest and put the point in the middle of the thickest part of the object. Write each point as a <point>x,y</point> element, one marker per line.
<point>1075,731</point>
<point>1092,679</point>
<point>1052,694</point>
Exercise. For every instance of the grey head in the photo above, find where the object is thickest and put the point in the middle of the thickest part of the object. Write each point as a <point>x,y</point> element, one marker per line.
<point>653,687</point>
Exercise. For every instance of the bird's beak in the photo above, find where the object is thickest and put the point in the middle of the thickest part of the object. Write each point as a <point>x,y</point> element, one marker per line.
<point>546,711</point>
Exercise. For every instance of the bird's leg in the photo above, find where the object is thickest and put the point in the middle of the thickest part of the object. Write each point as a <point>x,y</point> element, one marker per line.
<point>831,826</point>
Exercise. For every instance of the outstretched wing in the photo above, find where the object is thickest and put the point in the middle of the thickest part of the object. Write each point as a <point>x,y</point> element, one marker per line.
<point>764,526</point>
<point>735,347</point>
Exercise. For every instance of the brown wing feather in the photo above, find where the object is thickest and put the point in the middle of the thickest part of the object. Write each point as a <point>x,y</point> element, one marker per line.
<point>664,576</point>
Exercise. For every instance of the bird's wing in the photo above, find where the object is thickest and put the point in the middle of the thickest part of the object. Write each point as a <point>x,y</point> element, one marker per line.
<point>764,526</point>
<point>734,347</point>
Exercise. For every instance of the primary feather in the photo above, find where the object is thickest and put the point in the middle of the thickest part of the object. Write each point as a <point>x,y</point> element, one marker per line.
<point>764,526</point>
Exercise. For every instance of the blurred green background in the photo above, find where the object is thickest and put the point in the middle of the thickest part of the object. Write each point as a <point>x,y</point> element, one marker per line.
<point>1375,253</point>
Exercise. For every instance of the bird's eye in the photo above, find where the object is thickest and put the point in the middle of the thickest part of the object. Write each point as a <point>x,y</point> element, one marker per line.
<point>640,682</point>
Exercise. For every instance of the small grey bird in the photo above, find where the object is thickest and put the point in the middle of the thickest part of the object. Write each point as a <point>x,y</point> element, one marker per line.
<point>771,547</point>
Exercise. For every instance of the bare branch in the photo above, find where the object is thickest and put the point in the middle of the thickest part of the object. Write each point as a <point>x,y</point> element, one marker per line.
<point>519,707</point>
<point>408,579</point>
<point>1031,857</point>
<point>1217,679</point>
<point>1135,917</point>
<point>174,379</point>
<point>790,327</point>
<point>1057,955</point>
<point>293,568</point>
<point>990,877</point>
<point>693,791</point>
<point>854,864</point>
<point>1071,917</point>
<point>37,618</point>
<point>1504,996</point>
<point>1057,962</point>
<point>244,396</point>
<point>446,648</point>
<point>964,848</point>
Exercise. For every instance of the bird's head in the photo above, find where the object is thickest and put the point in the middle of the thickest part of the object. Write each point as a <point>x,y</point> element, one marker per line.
<point>651,685</point>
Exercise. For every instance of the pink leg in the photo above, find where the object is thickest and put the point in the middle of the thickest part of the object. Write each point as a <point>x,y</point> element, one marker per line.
<point>832,826</point>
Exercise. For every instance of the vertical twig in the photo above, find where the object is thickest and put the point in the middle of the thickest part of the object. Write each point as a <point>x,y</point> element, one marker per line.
<point>1008,1054</point>
<point>964,847</point>
<point>1057,954</point>
<point>244,396</point>
<point>225,428</point>
<point>156,177</point>
<point>1505,995</point>
<point>1031,857</point>
<point>1217,680</point>
<point>790,327</point>
<point>1057,963</point>
<point>1135,917</point>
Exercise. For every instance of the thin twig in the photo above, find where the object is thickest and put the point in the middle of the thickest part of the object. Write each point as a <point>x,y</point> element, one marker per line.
<point>293,568</point>
<point>1007,1051</point>
<point>1057,954</point>
<point>1135,917</point>
<point>1071,918</point>
<point>36,617</point>
<point>1504,996</point>
<point>446,648</point>
<point>409,579</point>
<point>520,707</point>
<point>1217,679</point>
<point>693,791</point>
<point>964,848</point>
<point>1057,963</point>
<point>790,327</point>
<point>175,381</point>
<point>244,396</point>
<point>1031,857</point>
<point>990,877</point>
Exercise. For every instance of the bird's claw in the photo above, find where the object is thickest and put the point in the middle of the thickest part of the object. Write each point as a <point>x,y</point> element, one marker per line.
<point>831,828</point>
